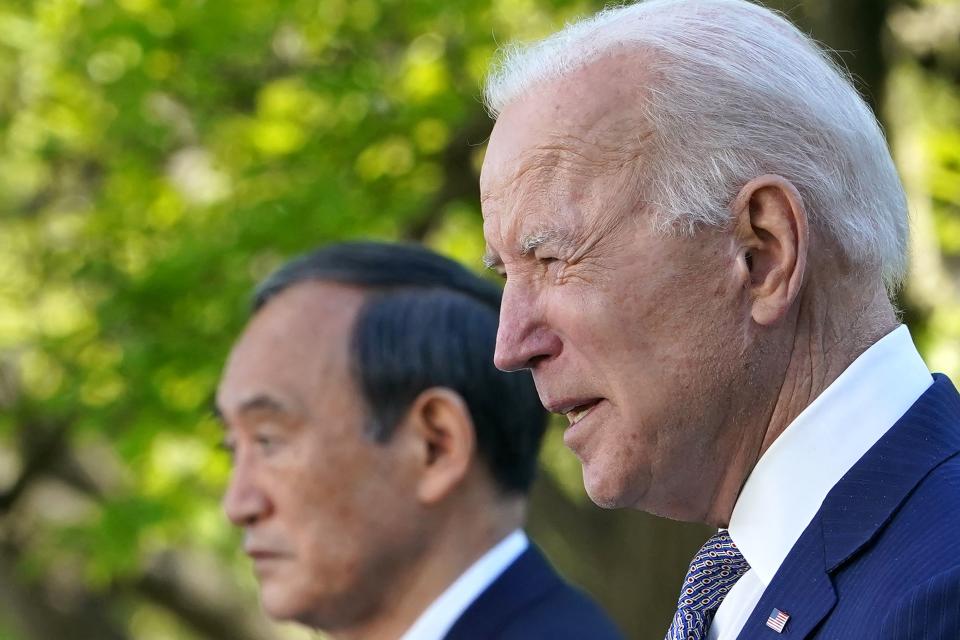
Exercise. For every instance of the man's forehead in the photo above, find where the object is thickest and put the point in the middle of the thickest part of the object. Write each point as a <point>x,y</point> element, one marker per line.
<point>539,200</point>
<point>299,334</point>
<point>541,153</point>
<point>260,401</point>
<point>527,151</point>
<point>530,234</point>
<point>606,95</point>
<point>310,305</point>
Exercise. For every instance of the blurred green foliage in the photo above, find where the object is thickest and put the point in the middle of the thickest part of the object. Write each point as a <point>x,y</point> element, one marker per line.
<point>157,158</point>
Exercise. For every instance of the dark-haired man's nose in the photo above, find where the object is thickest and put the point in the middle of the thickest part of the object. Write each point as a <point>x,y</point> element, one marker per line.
<point>244,502</point>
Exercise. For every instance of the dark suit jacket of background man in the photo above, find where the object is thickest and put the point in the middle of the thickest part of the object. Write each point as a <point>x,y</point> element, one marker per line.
<point>881,559</point>
<point>529,601</point>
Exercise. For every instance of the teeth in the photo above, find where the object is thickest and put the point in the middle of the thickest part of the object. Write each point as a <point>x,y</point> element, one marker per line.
<point>576,415</point>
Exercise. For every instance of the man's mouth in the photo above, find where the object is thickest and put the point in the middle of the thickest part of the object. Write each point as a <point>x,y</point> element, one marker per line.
<point>262,553</point>
<point>576,413</point>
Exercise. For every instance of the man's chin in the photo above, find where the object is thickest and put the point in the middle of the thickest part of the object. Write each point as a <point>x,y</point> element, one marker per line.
<point>279,603</point>
<point>320,611</point>
<point>605,492</point>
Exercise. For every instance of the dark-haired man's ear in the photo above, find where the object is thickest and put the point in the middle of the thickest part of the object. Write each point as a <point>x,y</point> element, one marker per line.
<point>440,422</point>
<point>772,232</point>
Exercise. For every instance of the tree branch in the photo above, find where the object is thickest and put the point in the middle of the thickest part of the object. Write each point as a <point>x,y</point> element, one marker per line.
<point>42,456</point>
<point>460,181</point>
<point>35,613</point>
<point>217,623</point>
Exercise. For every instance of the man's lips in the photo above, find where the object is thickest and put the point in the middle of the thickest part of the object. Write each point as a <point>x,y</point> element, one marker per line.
<point>263,554</point>
<point>575,409</point>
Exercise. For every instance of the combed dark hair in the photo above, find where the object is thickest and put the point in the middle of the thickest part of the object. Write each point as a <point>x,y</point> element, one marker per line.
<point>428,322</point>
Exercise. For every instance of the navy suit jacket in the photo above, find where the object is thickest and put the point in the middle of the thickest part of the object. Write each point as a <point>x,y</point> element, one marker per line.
<point>881,559</point>
<point>529,601</point>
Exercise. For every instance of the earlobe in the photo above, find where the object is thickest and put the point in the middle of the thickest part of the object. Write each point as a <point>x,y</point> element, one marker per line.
<point>771,228</point>
<point>444,430</point>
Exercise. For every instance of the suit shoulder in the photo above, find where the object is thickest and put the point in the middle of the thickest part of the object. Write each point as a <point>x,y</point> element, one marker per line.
<point>930,610</point>
<point>562,613</point>
<point>530,601</point>
<point>936,498</point>
<point>923,531</point>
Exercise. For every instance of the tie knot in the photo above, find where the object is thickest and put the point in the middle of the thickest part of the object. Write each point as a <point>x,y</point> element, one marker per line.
<point>713,572</point>
<point>718,556</point>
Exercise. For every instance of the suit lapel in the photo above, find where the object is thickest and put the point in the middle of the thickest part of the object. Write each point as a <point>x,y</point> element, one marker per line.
<point>872,491</point>
<point>523,582</point>
<point>855,510</point>
<point>802,589</point>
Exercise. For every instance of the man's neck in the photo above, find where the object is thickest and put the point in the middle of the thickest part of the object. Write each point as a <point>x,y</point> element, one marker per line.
<point>825,338</point>
<point>825,344</point>
<point>461,542</point>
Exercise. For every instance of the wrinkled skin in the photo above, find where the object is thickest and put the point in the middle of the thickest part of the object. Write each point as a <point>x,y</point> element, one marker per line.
<point>653,331</point>
<point>330,517</point>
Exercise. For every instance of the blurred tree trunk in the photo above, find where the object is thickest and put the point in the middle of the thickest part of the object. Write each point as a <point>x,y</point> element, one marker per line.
<point>36,613</point>
<point>854,30</point>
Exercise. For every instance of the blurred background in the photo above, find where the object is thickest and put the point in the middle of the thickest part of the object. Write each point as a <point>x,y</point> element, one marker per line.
<point>157,158</point>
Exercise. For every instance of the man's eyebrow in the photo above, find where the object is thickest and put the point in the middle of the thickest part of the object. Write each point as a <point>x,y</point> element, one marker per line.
<point>257,403</point>
<point>532,241</point>
<point>263,402</point>
<point>491,260</point>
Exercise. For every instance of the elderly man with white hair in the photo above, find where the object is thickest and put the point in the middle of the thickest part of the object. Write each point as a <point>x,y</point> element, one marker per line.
<point>700,226</point>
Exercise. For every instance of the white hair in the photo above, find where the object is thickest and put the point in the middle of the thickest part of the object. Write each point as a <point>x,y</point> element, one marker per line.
<point>737,92</point>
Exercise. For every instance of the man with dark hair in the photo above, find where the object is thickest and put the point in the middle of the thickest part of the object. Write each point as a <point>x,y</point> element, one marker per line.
<point>381,462</point>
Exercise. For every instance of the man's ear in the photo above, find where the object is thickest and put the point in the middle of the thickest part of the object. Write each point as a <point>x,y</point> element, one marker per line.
<point>440,422</point>
<point>772,233</point>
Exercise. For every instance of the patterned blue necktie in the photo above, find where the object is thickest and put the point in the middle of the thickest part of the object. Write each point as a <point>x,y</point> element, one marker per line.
<point>714,570</point>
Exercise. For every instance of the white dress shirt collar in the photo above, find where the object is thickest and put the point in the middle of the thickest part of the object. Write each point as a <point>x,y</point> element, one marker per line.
<point>792,478</point>
<point>440,616</point>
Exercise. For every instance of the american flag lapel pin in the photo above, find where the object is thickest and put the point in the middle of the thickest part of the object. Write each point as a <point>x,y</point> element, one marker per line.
<point>777,620</point>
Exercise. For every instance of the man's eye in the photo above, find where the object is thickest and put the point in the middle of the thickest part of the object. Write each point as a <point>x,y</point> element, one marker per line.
<point>549,262</point>
<point>229,446</point>
<point>552,265</point>
<point>544,256</point>
<point>265,442</point>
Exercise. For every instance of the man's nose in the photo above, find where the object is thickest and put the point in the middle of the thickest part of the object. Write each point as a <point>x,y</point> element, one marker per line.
<point>523,337</point>
<point>244,502</point>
